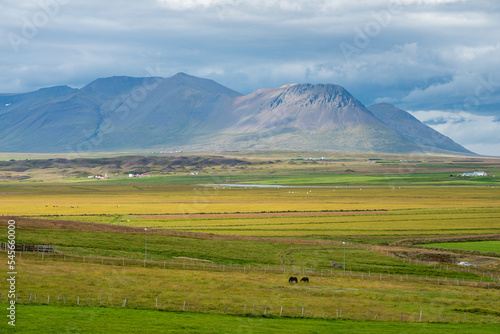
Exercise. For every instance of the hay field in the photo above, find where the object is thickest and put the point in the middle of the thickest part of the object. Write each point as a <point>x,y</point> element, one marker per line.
<point>293,211</point>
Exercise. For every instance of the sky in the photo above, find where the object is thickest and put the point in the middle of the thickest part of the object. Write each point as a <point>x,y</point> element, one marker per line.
<point>438,59</point>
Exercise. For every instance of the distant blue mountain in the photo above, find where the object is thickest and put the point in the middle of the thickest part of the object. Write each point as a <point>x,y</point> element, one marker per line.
<point>190,113</point>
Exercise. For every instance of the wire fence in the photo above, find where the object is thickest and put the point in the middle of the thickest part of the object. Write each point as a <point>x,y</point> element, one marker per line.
<point>253,309</point>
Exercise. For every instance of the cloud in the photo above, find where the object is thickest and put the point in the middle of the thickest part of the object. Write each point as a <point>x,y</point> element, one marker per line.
<point>428,55</point>
<point>242,5</point>
<point>322,5</point>
<point>480,134</point>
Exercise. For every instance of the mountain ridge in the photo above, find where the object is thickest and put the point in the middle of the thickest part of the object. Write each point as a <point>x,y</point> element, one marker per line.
<point>185,112</point>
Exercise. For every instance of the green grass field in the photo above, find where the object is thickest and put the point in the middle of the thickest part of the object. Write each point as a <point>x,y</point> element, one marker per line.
<point>51,319</point>
<point>250,240</point>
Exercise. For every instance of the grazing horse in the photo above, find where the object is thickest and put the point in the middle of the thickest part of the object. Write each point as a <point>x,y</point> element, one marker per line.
<point>305,279</point>
<point>293,279</point>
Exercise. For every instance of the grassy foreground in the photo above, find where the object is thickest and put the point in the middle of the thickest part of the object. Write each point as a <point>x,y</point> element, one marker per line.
<point>51,319</point>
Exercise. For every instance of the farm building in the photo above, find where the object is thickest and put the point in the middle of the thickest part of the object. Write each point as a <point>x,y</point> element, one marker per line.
<point>105,176</point>
<point>139,175</point>
<point>473,174</point>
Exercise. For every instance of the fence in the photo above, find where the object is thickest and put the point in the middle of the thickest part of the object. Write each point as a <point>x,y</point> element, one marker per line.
<point>250,308</point>
<point>30,248</point>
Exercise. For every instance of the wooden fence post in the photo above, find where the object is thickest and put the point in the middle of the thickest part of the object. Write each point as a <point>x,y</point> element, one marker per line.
<point>281,310</point>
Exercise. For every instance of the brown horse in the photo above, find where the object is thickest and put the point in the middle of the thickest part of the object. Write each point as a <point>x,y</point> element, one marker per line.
<point>293,279</point>
<point>305,279</point>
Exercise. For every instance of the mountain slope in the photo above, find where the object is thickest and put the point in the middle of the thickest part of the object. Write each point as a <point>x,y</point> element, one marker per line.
<point>322,117</point>
<point>413,130</point>
<point>118,113</point>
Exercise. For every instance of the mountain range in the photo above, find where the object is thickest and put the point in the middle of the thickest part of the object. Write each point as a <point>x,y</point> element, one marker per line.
<point>184,112</point>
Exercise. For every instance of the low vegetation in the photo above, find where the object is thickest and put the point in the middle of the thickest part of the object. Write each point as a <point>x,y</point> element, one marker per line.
<point>221,254</point>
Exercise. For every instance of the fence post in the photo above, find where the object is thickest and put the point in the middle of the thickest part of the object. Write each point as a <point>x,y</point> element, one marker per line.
<point>245,308</point>
<point>281,310</point>
<point>78,301</point>
<point>302,310</point>
<point>420,318</point>
<point>265,310</point>
<point>156,305</point>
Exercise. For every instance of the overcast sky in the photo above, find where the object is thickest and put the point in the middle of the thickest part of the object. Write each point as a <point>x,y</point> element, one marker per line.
<point>438,59</point>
